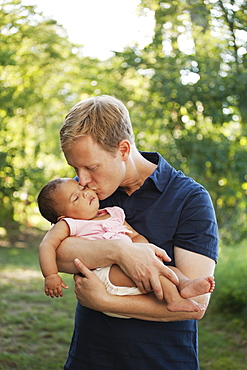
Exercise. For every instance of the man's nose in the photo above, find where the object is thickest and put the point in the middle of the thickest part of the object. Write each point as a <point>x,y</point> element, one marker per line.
<point>84,177</point>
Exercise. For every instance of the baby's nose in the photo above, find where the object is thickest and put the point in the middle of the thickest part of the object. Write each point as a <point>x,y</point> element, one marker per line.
<point>85,193</point>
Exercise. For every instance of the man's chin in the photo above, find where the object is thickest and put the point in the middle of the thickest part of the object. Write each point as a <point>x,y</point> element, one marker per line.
<point>103,196</point>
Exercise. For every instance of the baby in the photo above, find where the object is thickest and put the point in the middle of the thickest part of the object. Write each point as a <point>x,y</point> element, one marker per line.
<point>74,211</point>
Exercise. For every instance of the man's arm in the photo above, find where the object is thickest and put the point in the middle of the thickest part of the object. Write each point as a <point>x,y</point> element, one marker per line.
<point>92,293</point>
<point>194,265</point>
<point>137,260</point>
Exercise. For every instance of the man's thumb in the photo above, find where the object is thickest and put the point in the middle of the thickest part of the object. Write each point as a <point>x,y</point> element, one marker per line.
<point>81,267</point>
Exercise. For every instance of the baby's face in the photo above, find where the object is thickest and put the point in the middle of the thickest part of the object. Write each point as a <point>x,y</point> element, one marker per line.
<point>77,201</point>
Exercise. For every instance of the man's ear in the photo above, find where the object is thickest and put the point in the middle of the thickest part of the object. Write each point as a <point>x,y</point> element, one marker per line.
<point>124,148</point>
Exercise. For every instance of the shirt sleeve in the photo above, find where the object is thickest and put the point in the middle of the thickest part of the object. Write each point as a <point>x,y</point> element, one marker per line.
<point>197,229</point>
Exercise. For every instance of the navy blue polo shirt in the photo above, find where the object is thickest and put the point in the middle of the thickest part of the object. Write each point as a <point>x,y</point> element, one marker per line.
<point>169,209</point>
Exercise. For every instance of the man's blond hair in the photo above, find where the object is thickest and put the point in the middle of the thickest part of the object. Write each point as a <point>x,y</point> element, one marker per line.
<point>104,117</point>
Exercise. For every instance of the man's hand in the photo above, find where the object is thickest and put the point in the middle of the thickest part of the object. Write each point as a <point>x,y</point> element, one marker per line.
<point>139,261</point>
<point>89,289</point>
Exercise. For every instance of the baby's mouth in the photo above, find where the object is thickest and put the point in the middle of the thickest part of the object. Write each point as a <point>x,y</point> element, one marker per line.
<point>91,200</point>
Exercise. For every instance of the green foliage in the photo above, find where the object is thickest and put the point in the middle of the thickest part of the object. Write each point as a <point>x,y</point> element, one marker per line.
<point>31,80</point>
<point>231,274</point>
<point>186,92</point>
<point>42,76</point>
<point>193,109</point>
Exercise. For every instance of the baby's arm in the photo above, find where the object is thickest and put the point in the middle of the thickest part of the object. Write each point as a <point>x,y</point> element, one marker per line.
<point>47,258</point>
<point>134,235</point>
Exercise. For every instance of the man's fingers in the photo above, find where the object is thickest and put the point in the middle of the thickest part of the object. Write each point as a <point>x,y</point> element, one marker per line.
<point>157,289</point>
<point>144,287</point>
<point>152,285</point>
<point>169,274</point>
<point>82,268</point>
<point>162,254</point>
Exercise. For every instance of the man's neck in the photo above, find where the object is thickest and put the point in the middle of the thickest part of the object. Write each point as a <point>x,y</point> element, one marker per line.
<point>138,169</point>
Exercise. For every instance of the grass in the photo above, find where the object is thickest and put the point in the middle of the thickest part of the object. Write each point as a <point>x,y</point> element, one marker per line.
<point>223,330</point>
<point>222,342</point>
<point>35,330</point>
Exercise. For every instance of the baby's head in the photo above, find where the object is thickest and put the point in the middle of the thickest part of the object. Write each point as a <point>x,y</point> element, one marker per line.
<point>65,197</point>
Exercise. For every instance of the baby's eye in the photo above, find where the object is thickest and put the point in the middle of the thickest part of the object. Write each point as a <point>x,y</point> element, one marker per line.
<point>76,198</point>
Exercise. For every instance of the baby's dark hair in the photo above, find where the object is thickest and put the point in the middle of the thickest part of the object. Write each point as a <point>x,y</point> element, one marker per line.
<point>48,206</point>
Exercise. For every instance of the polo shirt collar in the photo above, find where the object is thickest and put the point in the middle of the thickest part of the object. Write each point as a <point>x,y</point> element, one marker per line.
<point>162,174</point>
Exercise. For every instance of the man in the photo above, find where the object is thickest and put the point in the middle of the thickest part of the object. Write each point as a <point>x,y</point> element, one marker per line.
<point>171,210</point>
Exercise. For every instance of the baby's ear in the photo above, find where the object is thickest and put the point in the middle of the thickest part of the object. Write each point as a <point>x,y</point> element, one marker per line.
<point>60,218</point>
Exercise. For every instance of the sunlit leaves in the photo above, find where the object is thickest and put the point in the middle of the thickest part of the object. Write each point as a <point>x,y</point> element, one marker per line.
<point>41,75</point>
<point>186,92</point>
<point>194,111</point>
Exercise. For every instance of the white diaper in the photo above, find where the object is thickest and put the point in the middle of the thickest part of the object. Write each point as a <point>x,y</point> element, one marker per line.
<point>103,275</point>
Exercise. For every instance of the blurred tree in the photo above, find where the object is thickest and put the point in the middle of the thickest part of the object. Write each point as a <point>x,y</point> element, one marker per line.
<point>42,75</point>
<point>193,109</point>
<point>186,92</point>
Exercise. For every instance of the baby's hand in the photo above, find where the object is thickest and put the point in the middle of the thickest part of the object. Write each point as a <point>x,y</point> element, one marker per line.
<point>54,285</point>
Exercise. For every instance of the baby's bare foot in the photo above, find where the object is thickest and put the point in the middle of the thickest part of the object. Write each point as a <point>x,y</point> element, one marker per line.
<point>195,287</point>
<point>185,305</point>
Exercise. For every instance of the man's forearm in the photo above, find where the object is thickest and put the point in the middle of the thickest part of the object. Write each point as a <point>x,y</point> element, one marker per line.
<point>91,292</point>
<point>144,307</point>
<point>94,253</point>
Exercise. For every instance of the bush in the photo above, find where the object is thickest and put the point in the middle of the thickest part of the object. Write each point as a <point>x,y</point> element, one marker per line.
<point>231,276</point>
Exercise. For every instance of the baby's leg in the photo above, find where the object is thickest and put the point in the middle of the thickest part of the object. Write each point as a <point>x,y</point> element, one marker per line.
<point>174,301</point>
<point>189,288</point>
<point>119,278</point>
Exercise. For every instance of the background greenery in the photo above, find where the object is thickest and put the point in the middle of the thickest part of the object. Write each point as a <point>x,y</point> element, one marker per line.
<point>186,92</point>
<point>186,100</point>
